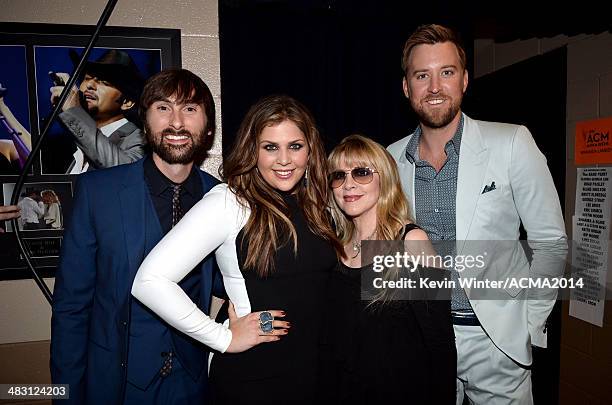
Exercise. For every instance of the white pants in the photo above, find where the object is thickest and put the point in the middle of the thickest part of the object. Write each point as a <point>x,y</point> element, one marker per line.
<point>485,375</point>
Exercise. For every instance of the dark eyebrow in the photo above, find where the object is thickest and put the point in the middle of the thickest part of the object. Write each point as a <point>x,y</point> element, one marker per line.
<point>166,100</point>
<point>276,143</point>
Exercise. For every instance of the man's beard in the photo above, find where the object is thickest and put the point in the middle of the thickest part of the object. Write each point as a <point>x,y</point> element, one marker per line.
<point>176,154</point>
<point>94,110</point>
<point>436,117</point>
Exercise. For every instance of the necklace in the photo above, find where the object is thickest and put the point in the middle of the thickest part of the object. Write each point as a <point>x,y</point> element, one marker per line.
<point>357,245</point>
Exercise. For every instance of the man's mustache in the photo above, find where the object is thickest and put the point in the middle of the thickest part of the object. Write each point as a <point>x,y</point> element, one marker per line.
<point>88,94</point>
<point>180,132</point>
<point>436,97</point>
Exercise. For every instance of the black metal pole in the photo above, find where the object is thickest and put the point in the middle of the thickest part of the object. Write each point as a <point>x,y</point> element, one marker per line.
<point>106,13</point>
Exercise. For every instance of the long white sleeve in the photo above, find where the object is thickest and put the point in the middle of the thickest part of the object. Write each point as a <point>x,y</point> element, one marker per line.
<point>212,223</point>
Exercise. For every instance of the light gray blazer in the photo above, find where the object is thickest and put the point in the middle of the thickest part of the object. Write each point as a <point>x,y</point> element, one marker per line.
<point>125,145</point>
<point>524,192</point>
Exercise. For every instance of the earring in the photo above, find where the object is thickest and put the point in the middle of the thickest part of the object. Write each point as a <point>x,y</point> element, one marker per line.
<point>306,178</point>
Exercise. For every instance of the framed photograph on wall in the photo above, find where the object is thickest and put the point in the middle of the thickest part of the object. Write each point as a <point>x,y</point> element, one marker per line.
<point>14,110</point>
<point>38,60</point>
<point>53,65</point>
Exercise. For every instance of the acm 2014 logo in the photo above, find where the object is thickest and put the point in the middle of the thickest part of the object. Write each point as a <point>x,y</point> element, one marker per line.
<point>595,138</point>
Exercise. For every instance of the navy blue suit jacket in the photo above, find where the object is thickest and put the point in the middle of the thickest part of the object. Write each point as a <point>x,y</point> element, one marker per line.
<point>113,227</point>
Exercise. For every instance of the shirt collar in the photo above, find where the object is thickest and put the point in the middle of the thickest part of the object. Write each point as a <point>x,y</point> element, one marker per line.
<point>413,144</point>
<point>108,129</point>
<point>412,153</point>
<point>158,182</point>
<point>456,139</point>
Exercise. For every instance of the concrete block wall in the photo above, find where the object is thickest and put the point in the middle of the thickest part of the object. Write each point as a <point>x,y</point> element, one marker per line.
<point>24,314</point>
<point>586,354</point>
<point>586,350</point>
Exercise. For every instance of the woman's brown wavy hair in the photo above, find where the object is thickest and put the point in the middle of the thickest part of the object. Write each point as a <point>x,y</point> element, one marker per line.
<point>269,221</point>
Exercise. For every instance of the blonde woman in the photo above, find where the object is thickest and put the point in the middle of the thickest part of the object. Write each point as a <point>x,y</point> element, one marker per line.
<point>53,210</point>
<point>385,348</point>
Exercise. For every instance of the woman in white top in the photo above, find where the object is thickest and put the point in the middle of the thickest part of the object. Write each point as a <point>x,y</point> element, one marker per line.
<point>53,211</point>
<point>275,247</point>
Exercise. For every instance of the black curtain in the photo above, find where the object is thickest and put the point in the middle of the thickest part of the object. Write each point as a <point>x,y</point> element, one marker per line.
<point>341,59</point>
<point>514,94</point>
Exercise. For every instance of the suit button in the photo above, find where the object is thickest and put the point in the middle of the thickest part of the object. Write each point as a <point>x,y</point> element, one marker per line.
<point>124,323</point>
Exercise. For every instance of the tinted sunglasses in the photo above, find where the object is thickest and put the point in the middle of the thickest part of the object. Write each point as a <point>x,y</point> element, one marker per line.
<point>361,175</point>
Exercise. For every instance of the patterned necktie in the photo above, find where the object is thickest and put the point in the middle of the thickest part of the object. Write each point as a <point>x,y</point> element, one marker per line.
<point>177,212</point>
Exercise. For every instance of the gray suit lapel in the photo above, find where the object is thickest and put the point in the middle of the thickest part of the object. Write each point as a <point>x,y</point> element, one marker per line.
<point>473,161</point>
<point>122,132</point>
<point>406,172</point>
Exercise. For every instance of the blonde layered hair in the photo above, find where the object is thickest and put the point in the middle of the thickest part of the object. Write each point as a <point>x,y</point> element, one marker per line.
<point>269,218</point>
<point>392,209</point>
<point>50,196</point>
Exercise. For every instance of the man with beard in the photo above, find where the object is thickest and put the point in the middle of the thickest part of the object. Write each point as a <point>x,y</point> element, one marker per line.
<point>476,180</point>
<point>95,114</point>
<point>108,347</point>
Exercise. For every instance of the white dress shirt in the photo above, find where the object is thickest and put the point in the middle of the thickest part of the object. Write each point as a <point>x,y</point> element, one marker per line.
<point>31,211</point>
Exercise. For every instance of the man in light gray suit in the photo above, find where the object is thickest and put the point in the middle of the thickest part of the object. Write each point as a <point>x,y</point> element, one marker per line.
<point>472,180</point>
<point>95,113</point>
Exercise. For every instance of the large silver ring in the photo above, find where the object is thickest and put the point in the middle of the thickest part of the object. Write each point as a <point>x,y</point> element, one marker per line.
<point>265,321</point>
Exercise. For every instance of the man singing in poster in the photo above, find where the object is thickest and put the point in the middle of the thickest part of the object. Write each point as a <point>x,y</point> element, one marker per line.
<point>95,113</point>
